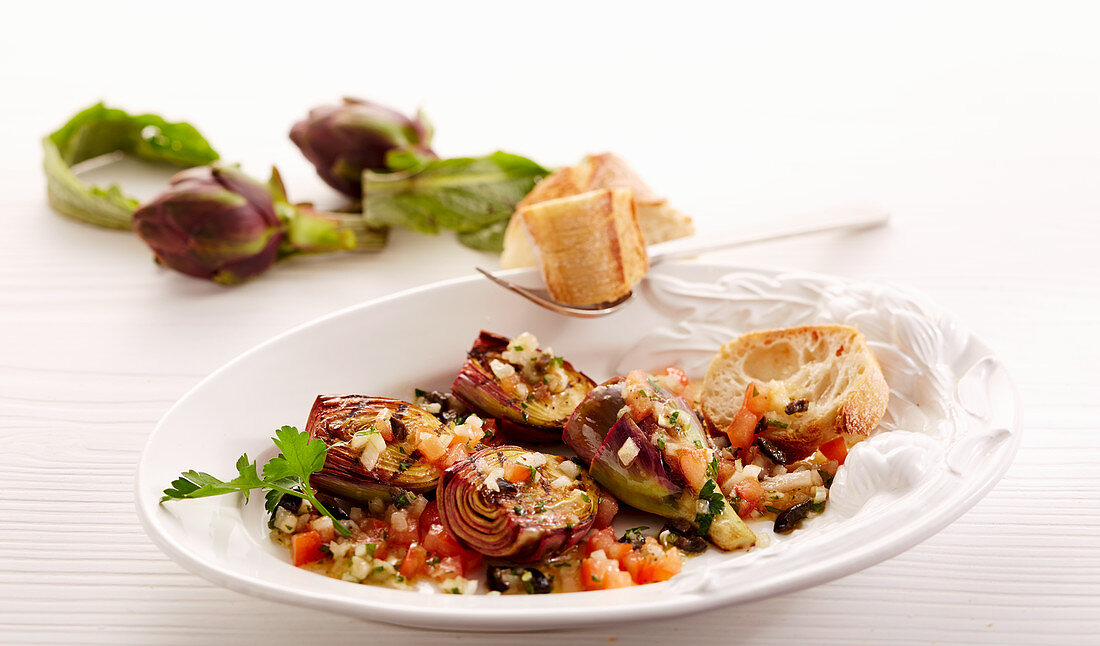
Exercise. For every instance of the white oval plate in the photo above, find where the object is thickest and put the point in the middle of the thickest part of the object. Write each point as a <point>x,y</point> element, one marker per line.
<point>951,420</point>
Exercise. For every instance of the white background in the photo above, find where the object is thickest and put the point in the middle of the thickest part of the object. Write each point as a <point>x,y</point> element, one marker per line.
<point>975,124</point>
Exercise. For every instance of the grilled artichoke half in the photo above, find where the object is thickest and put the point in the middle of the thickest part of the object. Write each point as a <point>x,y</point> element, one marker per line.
<point>641,458</point>
<point>532,397</point>
<point>398,467</point>
<point>488,507</point>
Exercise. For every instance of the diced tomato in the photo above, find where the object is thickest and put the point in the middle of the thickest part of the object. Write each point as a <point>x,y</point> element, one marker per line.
<point>407,535</point>
<point>603,574</point>
<point>489,426</point>
<point>742,430</point>
<point>428,518</point>
<point>434,447</point>
<point>618,550</point>
<point>306,548</point>
<point>726,468</point>
<point>440,543</point>
<point>666,567</point>
<point>756,399</point>
<point>514,472</point>
<point>374,527</point>
<point>633,562</point>
<point>693,462</point>
<point>835,449</point>
<point>456,453</point>
<point>381,549</point>
<point>605,512</point>
<point>510,384</point>
<point>678,375</point>
<point>447,567</point>
<point>751,493</point>
<point>600,540</point>
<point>413,561</point>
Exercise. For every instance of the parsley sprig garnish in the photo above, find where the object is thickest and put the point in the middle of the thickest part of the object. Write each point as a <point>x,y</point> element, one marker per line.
<point>285,475</point>
<point>713,495</point>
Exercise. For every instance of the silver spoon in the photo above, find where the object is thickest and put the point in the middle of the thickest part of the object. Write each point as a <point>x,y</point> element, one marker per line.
<point>837,218</point>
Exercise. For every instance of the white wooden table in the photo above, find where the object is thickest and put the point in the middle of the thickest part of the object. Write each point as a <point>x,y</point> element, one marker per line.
<point>976,125</point>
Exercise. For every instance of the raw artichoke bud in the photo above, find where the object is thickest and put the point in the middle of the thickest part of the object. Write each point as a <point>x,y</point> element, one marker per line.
<point>528,389</point>
<point>512,503</point>
<point>372,446</point>
<point>344,140</point>
<point>217,223</point>
<point>648,448</point>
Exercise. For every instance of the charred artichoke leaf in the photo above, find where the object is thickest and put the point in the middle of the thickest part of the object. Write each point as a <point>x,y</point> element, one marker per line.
<point>645,483</point>
<point>598,431</point>
<point>591,420</point>
<point>538,415</point>
<point>335,419</point>
<point>549,509</point>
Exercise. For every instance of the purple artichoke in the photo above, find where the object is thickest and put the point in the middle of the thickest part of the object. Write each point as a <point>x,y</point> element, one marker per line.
<point>344,140</point>
<point>217,223</point>
<point>526,521</point>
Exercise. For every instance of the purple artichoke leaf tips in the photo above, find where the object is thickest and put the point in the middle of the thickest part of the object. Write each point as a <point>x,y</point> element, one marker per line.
<point>216,222</point>
<point>344,140</point>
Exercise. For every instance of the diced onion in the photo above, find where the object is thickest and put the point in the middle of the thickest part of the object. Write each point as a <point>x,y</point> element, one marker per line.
<point>532,459</point>
<point>570,468</point>
<point>373,449</point>
<point>285,521</point>
<point>561,482</point>
<point>628,452</point>
<point>790,481</point>
<point>492,477</point>
<point>500,369</point>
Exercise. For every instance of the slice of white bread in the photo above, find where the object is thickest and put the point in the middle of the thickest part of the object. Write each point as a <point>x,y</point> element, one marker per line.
<point>658,221</point>
<point>589,246</point>
<point>829,366</point>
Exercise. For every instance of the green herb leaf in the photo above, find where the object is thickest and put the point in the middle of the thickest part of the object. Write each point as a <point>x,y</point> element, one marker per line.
<point>712,468</point>
<point>196,484</point>
<point>776,423</point>
<point>713,495</point>
<point>473,196</point>
<point>100,130</point>
<point>287,473</point>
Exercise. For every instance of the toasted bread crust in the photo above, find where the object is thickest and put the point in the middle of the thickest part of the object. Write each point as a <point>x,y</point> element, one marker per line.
<point>658,220</point>
<point>830,366</point>
<point>590,247</point>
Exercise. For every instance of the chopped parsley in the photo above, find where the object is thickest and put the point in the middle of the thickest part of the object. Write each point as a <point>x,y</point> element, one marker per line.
<point>712,468</point>
<point>817,507</point>
<point>634,535</point>
<point>403,499</point>
<point>433,561</point>
<point>697,444</point>
<point>774,510</point>
<point>585,497</point>
<point>717,502</point>
<point>557,361</point>
<point>519,510</point>
<point>659,440</point>
<point>517,348</point>
<point>777,424</point>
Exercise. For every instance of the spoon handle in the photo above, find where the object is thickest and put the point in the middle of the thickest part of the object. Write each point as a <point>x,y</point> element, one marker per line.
<point>834,218</point>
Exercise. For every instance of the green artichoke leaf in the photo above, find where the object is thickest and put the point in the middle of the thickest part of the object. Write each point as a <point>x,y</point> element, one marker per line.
<point>473,196</point>
<point>98,131</point>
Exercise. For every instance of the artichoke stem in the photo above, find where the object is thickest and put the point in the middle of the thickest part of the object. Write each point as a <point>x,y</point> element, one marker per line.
<point>312,231</point>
